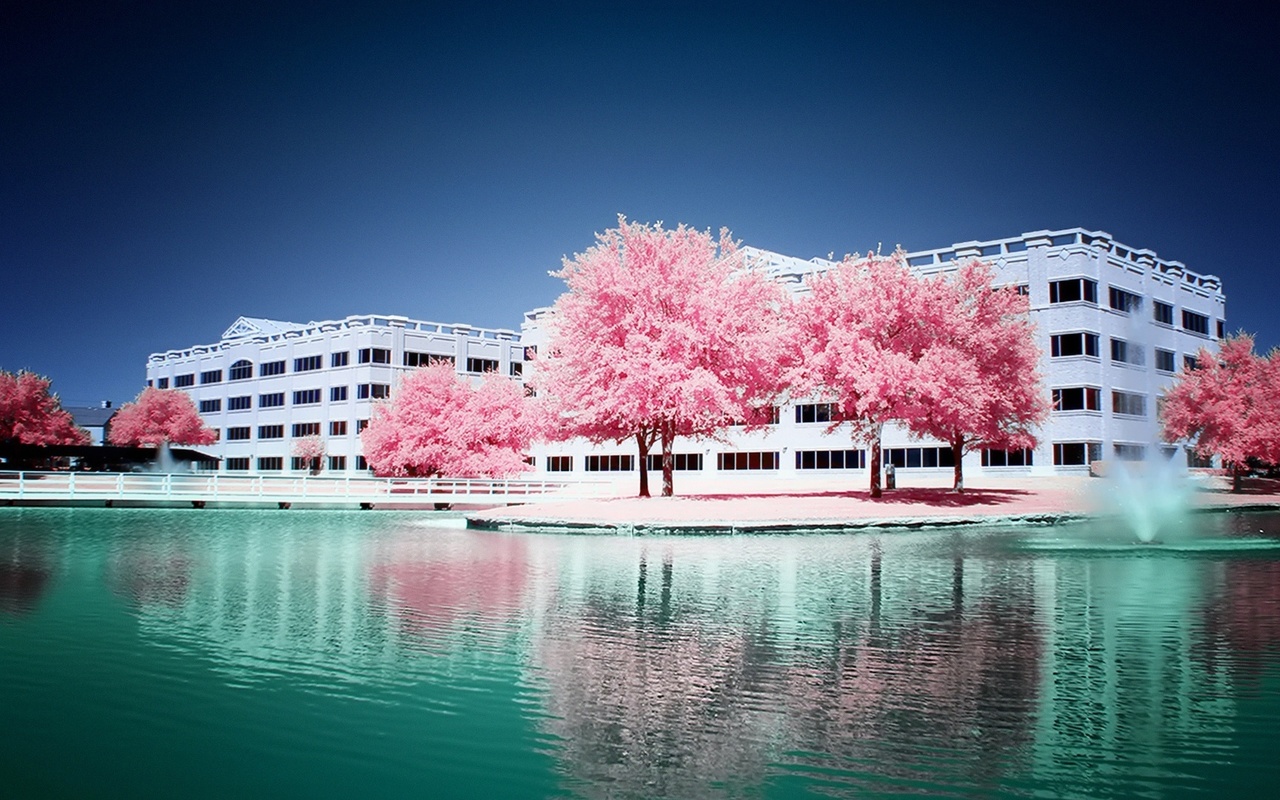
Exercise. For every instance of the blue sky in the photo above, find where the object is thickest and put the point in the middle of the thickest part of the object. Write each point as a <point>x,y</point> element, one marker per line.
<point>167,167</point>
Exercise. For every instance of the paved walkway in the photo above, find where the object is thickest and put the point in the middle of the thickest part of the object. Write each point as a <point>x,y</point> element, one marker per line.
<point>1014,500</point>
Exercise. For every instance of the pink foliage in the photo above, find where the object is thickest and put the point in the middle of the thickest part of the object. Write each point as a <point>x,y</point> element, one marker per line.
<point>158,416</point>
<point>660,334</point>
<point>949,357</point>
<point>435,424</point>
<point>311,449</point>
<point>981,386</point>
<point>1226,405</point>
<point>29,414</point>
<point>862,333</point>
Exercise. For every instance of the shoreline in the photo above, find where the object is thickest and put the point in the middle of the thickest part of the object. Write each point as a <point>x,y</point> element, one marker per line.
<point>1032,501</point>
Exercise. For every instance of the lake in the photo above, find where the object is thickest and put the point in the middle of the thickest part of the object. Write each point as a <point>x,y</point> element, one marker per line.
<point>219,653</point>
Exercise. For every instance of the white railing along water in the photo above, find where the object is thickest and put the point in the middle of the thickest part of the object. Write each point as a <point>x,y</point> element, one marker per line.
<point>221,488</point>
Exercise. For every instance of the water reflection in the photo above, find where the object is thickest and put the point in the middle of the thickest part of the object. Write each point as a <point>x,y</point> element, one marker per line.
<point>951,663</point>
<point>25,572</point>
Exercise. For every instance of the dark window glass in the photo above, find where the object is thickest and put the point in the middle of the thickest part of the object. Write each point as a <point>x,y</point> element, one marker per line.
<point>242,371</point>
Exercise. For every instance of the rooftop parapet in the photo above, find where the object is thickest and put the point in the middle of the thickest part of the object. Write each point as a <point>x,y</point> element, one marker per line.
<point>264,331</point>
<point>788,269</point>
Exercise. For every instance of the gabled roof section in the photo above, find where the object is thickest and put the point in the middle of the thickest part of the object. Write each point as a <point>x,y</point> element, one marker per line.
<point>257,326</point>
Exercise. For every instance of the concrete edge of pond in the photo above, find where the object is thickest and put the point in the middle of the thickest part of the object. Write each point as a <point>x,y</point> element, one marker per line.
<point>700,527</point>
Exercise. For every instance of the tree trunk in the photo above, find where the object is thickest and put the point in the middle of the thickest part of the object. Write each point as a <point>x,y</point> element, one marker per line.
<point>643,441</point>
<point>875,463</point>
<point>668,464</point>
<point>957,450</point>
<point>1237,476</point>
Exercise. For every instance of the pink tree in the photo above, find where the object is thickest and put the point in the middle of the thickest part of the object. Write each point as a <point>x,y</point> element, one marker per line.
<point>29,414</point>
<point>981,386</point>
<point>1226,406</point>
<point>311,449</point>
<point>435,424</point>
<point>660,334</point>
<point>862,333</point>
<point>158,417</point>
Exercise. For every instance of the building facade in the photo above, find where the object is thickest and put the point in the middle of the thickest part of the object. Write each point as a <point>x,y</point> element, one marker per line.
<point>1114,324</point>
<point>265,384</point>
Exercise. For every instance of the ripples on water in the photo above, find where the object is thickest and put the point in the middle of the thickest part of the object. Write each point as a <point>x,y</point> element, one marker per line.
<point>219,653</point>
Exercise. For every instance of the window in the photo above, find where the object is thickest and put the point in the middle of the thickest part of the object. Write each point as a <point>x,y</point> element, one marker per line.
<point>377,391</point>
<point>831,459</point>
<point>338,463</point>
<point>559,463</point>
<point>1007,458</point>
<point>271,368</point>
<point>425,359</point>
<point>242,371</point>
<point>1073,344</point>
<point>919,457</point>
<point>1077,398</point>
<point>1123,352</point>
<point>339,359</point>
<point>816,412</point>
<point>239,403</point>
<point>1134,405</point>
<point>337,394</point>
<point>362,464</point>
<point>747,461</point>
<point>237,464</point>
<point>270,463</point>
<point>681,462</point>
<point>163,383</point>
<point>1190,362</point>
<point>301,429</point>
<point>210,406</point>
<point>610,463</point>
<point>482,365</point>
<point>1129,452</point>
<point>274,400</point>
<point>1126,302</point>
<point>1195,323</point>
<point>1222,330</point>
<point>298,463</point>
<point>338,427</point>
<point>1023,289</point>
<point>270,431</point>
<point>517,369</point>
<point>1073,290</point>
<point>306,397</point>
<point>238,435</point>
<point>361,424</point>
<point>1162,312</point>
<point>307,363</point>
<point>1164,360</point>
<point>183,381</point>
<point>1076,454</point>
<point>211,376</point>
<point>375,355</point>
<point>149,382</point>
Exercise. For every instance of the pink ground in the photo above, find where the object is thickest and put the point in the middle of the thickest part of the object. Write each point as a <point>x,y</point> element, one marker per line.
<point>995,500</point>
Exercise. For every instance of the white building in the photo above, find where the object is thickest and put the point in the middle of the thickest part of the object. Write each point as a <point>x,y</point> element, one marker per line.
<point>1114,323</point>
<point>267,383</point>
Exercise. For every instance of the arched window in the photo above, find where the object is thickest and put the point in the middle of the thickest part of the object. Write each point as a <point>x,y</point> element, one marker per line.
<point>242,370</point>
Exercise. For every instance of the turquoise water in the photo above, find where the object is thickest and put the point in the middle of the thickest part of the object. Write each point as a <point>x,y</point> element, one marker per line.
<point>183,653</point>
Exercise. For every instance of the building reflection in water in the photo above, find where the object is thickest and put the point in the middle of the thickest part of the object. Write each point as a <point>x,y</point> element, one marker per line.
<point>660,666</point>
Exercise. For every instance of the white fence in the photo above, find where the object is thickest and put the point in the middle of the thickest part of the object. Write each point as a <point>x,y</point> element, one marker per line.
<point>200,488</point>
